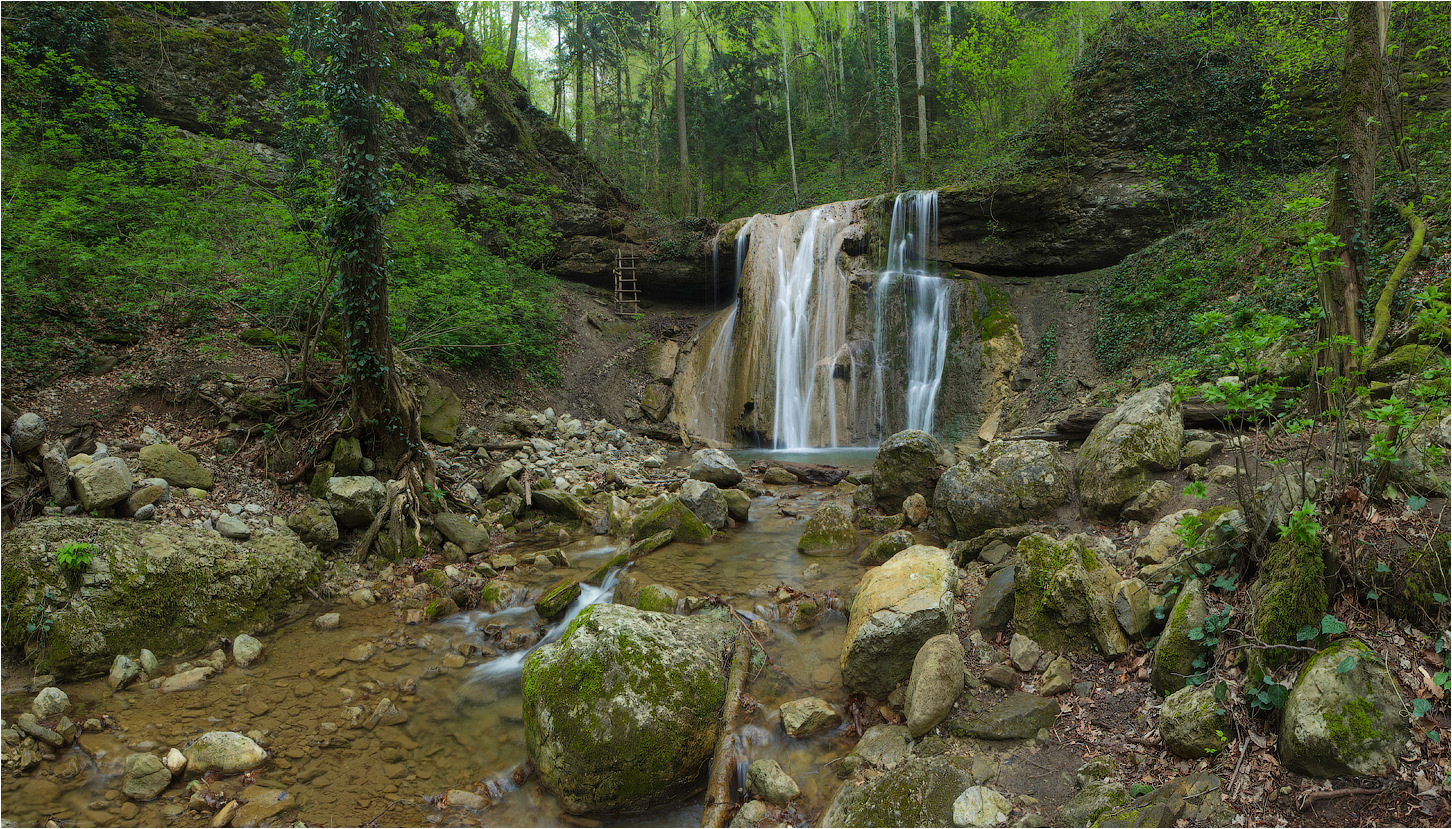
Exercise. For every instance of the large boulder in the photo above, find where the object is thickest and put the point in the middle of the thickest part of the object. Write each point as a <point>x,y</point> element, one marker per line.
<point>1005,483</point>
<point>102,483</point>
<point>1343,717</point>
<point>167,588</point>
<point>439,413</point>
<point>705,501</point>
<point>671,514</point>
<point>223,751</point>
<point>465,533</point>
<point>355,499</point>
<point>1288,594</point>
<point>145,777</point>
<point>1140,436</point>
<point>896,608</point>
<point>829,532</point>
<point>935,684</point>
<point>1176,651</point>
<point>919,792</point>
<point>623,713</point>
<point>714,467</point>
<point>1064,595</point>
<point>162,460</point>
<point>27,433</point>
<point>909,461</point>
<point>315,525</point>
<point>1193,723</point>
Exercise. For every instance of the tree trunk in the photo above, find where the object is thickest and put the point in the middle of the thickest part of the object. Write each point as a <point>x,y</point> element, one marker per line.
<point>513,36</point>
<point>896,99</point>
<point>787,85</point>
<point>681,143</point>
<point>922,91</point>
<point>580,75</point>
<point>1340,279</point>
<point>382,406</point>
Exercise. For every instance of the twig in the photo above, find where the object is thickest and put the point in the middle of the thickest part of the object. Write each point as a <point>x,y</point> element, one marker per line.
<point>1235,775</point>
<point>1307,798</point>
<point>374,821</point>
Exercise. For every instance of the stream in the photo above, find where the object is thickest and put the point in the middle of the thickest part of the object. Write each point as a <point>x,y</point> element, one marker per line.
<point>461,722</point>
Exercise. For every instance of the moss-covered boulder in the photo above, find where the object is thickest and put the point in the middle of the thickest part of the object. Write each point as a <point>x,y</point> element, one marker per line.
<point>671,514</point>
<point>162,460</point>
<point>1289,594</point>
<point>1193,800</point>
<point>1193,724</point>
<point>623,713</point>
<point>658,598</point>
<point>1017,717</point>
<point>1413,580</point>
<point>920,792</point>
<point>439,413</point>
<point>705,500</point>
<point>1176,652</point>
<point>1004,484</point>
<point>895,609</point>
<point>465,533</point>
<point>166,588</point>
<point>656,401</point>
<point>555,600</point>
<point>1421,465</point>
<point>563,504</point>
<point>738,504</point>
<point>314,524</point>
<point>347,457</point>
<point>1343,716</point>
<point>829,532</point>
<point>886,547</point>
<point>1404,360</point>
<point>1064,596</point>
<point>909,461</point>
<point>1143,435</point>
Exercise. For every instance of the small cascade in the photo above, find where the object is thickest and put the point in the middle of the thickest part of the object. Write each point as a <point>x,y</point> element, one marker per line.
<point>506,670</point>
<point>802,324</point>
<point>912,314</point>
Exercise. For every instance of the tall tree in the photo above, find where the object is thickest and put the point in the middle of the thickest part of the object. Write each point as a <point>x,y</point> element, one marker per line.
<point>579,74</point>
<point>922,90</point>
<point>680,40</point>
<point>513,36</point>
<point>787,84</point>
<point>1340,279</point>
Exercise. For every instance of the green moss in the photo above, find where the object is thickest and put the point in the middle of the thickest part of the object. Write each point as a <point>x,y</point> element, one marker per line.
<point>1354,728</point>
<point>1289,594</point>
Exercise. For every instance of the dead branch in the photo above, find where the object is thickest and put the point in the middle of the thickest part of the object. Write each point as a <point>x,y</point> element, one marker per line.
<point>723,763</point>
<point>1307,798</point>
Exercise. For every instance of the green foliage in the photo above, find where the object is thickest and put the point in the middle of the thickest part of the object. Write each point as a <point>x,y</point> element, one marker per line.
<point>1270,696</point>
<point>1302,526</point>
<point>75,556</point>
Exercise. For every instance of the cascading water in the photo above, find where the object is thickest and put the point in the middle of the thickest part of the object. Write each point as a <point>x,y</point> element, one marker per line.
<point>801,336</point>
<point>911,303</point>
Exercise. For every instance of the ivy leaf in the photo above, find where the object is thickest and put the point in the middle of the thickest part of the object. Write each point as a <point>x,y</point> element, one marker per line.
<point>1225,582</point>
<point>1204,567</point>
<point>1439,598</point>
<point>1415,503</point>
<point>1330,626</point>
<point>1420,707</point>
<point>1382,568</point>
<point>1372,595</point>
<point>1196,635</point>
<point>1307,633</point>
<point>1346,665</point>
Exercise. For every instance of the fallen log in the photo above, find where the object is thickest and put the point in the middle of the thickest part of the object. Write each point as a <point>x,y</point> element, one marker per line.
<point>812,473</point>
<point>728,746</point>
<point>1197,413</point>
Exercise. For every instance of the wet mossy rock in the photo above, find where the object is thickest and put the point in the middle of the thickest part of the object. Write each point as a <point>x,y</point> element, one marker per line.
<point>439,412</point>
<point>1064,596</point>
<point>1404,360</point>
<point>169,589</point>
<point>162,460</point>
<point>671,514</point>
<point>1411,590</point>
<point>920,792</point>
<point>1193,800</point>
<point>623,713</point>
<point>895,609</point>
<point>1140,436</point>
<point>1289,594</point>
<point>1175,652</point>
<point>1193,724</point>
<point>829,532</point>
<point>1004,484</point>
<point>1343,717</point>
<point>909,461</point>
<point>886,547</point>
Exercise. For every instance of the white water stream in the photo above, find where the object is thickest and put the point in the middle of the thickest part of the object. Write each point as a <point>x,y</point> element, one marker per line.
<point>924,305</point>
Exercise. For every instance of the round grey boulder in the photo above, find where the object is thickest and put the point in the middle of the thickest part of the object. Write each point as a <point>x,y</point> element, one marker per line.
<point>145,777</point>
<point>50,702</point>
<point>224,751</point>
<point>1004,484</point>
<point>706,501</point>
<point>906,463</point>
<point>1344,716</point>
<point>715,467</point>
<point>27,433</point>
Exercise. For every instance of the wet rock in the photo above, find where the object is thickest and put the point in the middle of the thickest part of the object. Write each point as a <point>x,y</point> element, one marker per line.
<point>461,799</point>
<point>935,684</point>
<point>149,665</point>
<point>162,460</point>
<point>896,608</point>
<point>175,762</point>
<point>355,499</point>
<point>1134,607</point>
<point>145,777</point>
<point>1057,678</point>
<point>123,671</point>
<point>327,621</point>
<point>906,463</point>
<point>1004,484</point>
<point>777,476</point>
<point>767,780</point>
<point>920,792</point>
<point>994,607</point>
<point>558,598</point>
<point>246,650</point>
<point>1344,716</point>
<point>829,532</point>
<point>804,717</point>
<point>623,713</point>
<point>1019,717</point>
<point>1064,595</point>
<point>1192,723</point>
<point>981,806</point>
<point>738,504</point>
<point>102,483</point>
<point>30,726</point>
<point>462,532</point>
<point>1175,652</point>
<point>226,752</point>
<point>1142,435</point>
<point>188,680</point>
<point>260,804</point>
<point>715,467</point>
<point>315,525</point>
<point>233,527</point>
<point>671,514</point>
<point>1024,652</point>
<point>915,509</point>
<point>50,702</point>
<point>886,547</point>
<point>27,433</point>
<point>705,501</point>
<point>386,713</point>
<point>750,814</point>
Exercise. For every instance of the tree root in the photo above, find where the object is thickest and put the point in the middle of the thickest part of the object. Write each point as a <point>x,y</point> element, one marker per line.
<point>1383,303</point>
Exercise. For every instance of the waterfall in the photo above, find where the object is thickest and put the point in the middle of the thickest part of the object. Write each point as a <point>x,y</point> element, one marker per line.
<point>806,330</point>
<point>912,304</point>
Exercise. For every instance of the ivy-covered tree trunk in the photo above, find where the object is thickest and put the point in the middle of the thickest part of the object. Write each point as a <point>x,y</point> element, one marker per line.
<point>383,407</point>
<point>1339,281</point>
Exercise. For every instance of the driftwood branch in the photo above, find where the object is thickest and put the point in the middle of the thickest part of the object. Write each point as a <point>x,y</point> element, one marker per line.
<point>811,473</point>
<point>723,763</point>
<point>1308,798</point>
<point>1080,422</point>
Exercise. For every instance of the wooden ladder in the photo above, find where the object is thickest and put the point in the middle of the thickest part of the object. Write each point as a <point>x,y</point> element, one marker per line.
<point>627,290</point>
